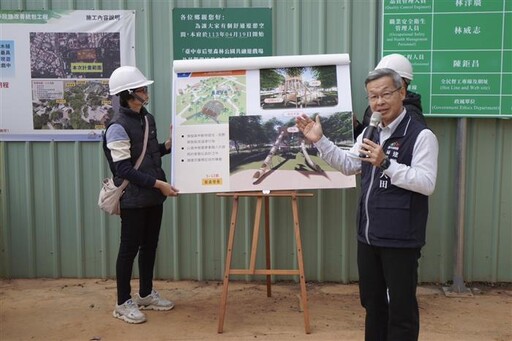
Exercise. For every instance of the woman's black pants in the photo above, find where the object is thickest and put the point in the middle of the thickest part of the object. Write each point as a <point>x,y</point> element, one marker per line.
<point>140,228</point>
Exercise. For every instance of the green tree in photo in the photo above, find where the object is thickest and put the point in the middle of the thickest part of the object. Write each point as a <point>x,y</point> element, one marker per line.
<point>270,129</point>
<point>293,71</point>
<point>338,127</point>
<point>326,75</point>
<point>270,79</point>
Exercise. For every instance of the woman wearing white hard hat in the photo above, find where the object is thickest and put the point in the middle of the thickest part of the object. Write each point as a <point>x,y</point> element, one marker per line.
<point>412,102</point>
<point>142,201</point>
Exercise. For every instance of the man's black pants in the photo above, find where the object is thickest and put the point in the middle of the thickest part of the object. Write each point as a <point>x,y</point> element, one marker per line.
<point>394,269</point>
<point>140,228</point>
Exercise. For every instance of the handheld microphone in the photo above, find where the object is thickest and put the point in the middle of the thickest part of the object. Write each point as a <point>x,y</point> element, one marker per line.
<point>368,133</point>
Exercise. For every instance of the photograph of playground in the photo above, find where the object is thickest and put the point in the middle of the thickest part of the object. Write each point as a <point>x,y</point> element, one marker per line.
<point>210,98</point>
<point>74,54</point>
<point>269,152</point>
<point>298,87</point>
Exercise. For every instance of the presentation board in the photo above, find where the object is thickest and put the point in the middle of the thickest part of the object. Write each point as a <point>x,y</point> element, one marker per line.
<point>234,122</point>
<point>54,71</point>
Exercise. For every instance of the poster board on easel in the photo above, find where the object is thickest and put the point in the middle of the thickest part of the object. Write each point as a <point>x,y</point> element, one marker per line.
<point>234,122</point>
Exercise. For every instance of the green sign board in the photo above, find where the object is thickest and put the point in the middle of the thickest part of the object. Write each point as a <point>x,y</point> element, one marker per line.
<point>461,51</point>
<point>200,33</point>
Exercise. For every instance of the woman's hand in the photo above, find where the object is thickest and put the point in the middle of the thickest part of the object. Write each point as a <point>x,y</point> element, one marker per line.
<point>166,188</point>
<point>168,142</point>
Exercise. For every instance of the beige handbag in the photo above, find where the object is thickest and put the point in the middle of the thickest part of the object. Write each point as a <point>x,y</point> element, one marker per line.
<point>110,194</point>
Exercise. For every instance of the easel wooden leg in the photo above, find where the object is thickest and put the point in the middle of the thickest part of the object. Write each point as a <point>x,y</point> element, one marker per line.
<point>303,293</point>
<point>227,269</point>
<point>267,245</point>
<point>255,234</point>
<point>268,272</point>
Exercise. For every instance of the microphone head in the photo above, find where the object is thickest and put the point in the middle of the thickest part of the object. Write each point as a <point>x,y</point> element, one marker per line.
<point>375,119</point>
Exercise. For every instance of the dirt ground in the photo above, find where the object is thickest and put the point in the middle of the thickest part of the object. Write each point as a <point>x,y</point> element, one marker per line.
<point>81,309</point>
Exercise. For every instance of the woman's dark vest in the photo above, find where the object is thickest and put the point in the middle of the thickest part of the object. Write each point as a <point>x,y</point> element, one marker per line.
<point>390,216</point>
<point>134,125</point>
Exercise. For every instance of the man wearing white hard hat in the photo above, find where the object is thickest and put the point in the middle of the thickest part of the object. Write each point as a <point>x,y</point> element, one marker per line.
<point>142,201</point>
<point>412,101</point>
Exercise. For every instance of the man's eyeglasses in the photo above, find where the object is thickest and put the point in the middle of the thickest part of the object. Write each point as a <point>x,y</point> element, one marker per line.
<point>386,96</point>
<point>143,89</point>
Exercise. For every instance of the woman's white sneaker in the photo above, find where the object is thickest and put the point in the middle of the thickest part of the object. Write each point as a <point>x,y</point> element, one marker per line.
<point>153,301</point>
<point>129,312</point>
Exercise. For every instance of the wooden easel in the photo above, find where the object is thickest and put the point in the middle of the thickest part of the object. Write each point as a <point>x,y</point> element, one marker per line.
<point>260,196</point>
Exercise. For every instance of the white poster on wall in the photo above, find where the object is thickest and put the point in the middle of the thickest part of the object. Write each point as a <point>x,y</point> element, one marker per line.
<point>54,70</point>
<point>234,122</point>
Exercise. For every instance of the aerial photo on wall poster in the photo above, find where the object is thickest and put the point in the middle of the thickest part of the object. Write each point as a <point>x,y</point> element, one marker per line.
<point>74,54</point>
<point>70,72</point>
<point>71,104</point>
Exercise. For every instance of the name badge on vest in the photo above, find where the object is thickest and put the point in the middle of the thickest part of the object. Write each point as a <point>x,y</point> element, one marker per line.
<point>393,150</point>
<point>383,180</point>
<point>392,154</point>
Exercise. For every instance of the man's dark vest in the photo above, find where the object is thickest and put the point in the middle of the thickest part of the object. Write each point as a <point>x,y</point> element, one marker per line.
<point>134,125</point>
<point>390,216</point>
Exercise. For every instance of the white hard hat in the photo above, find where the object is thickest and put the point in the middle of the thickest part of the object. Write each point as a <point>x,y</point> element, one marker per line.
<point>397,63</point>
<point>126,78</point>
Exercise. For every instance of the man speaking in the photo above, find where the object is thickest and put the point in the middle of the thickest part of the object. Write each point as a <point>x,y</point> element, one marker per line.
<point>398,166</point>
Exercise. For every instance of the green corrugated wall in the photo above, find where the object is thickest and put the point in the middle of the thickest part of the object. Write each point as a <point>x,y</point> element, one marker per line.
<point>51,226</point>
